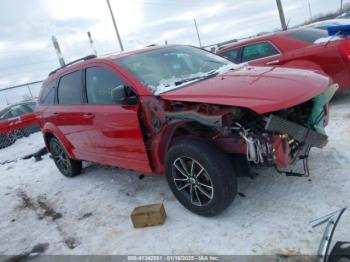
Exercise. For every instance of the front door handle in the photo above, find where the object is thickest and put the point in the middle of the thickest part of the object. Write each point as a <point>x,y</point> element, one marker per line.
<point>88,116</point>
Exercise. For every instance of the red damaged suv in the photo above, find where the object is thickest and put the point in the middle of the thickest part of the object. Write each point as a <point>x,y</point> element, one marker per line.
<point>186,113</point>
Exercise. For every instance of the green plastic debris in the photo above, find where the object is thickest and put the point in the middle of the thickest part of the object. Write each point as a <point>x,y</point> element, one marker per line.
<point>318,108</point>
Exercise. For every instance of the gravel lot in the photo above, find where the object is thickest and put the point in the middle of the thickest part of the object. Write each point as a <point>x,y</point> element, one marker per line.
<point>89,214</point>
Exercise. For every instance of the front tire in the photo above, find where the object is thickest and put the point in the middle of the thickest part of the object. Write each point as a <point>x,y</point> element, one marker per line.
<point>68,167</point>
<point>200,176</point>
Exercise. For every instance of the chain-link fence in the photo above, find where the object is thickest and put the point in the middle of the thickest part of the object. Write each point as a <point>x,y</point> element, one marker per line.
<point>15,94</point>
<point>10,133</point>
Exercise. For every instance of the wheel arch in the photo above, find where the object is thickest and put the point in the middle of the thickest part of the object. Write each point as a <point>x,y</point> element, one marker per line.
<point>182,129</point>
<point>50,131</point>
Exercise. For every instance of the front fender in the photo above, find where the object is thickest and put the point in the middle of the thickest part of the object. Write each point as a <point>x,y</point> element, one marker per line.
<point>161,144</point>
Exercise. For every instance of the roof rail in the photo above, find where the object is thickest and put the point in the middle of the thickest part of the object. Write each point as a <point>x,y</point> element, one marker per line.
<point>73,62</point>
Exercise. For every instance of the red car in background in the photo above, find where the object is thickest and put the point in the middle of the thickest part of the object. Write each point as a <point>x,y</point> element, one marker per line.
<point>306,48</point>
<point>17,121</point>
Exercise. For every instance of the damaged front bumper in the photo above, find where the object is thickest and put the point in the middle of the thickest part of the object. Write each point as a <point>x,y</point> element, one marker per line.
<point>300,133</point>
<point>287,139</point>
<point>314,134</point>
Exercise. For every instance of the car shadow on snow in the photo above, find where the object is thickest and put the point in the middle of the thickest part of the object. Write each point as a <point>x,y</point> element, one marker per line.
<point>142,190</point>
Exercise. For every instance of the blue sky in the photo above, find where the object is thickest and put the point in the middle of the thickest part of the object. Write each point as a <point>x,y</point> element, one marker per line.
<point>26,27</point>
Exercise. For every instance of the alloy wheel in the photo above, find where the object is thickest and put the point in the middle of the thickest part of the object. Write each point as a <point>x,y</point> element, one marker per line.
<point>193,181</point>
<point>60,157</point>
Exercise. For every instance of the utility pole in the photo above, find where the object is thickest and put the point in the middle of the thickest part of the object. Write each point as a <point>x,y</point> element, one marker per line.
<point>58,51</point>
<point>91,43</point>
<point>281,13</point>
<point>115,26</point>
<point>310,10</point>
<point>199,39</point>
<point>341,6</point>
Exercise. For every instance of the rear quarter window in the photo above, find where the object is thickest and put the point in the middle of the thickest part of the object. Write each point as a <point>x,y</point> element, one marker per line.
<point>308,35</point>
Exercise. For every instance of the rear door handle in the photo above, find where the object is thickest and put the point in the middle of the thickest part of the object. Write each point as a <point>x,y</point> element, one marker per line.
<point>88,115</point>
<point>274,62</point>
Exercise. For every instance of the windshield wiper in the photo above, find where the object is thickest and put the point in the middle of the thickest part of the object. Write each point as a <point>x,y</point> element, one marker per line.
<point>209,75</point>
<point>213,61</point>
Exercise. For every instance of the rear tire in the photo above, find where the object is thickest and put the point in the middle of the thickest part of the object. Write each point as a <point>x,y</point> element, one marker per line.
<point>67,166</point>
<point>200,176</point>
<point>11,137</point>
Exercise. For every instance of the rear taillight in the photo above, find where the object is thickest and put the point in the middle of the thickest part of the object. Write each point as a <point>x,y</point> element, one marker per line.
<point>344,48</point>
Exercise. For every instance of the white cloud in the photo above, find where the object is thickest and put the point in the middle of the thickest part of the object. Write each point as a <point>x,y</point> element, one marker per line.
<point>128,14</point>
<point>207,28</point>
<point>3,46</point>
<point>26,27</point>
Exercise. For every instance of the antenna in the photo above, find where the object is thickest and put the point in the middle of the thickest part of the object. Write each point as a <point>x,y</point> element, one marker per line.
<point>199,39</point>
<point>91,43</point>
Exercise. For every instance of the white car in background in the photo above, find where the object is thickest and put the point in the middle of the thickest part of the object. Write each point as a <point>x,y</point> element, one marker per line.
<point>344,15</point>
<point>324,24</point>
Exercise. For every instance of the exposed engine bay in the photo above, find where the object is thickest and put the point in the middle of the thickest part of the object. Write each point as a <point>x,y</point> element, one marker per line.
<point>277,139</point>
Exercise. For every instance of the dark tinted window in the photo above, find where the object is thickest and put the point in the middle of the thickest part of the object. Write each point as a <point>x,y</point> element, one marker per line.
<point>19,110</point>
<point>48,93</point>
<point>70,89</point>
<point>257,51</point>
<point>5,114</point>
<point>232,55</point>
<point>99,84</point>
<point>308,35</point>
<point>31,106</point>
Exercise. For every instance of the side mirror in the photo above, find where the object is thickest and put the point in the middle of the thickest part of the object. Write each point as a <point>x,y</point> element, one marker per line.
<point>123,95</point>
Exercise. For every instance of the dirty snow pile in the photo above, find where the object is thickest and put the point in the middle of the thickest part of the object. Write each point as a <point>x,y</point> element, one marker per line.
<point>89,214</point>
<point>22,147</point>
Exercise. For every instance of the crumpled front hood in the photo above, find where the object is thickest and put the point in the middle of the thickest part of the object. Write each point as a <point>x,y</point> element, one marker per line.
<point>262,89</point>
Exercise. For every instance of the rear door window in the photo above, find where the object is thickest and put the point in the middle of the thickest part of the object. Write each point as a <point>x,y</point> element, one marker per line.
<point>19,110</point>
<point>233,55</point>
<point>258,51</point>
<point>70,89</point>
<point>99,84</point>
<point>48,93</point>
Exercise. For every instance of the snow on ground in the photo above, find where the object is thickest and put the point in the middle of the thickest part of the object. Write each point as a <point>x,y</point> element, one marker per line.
<point>22,147</point>
<point>89,214</point>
